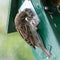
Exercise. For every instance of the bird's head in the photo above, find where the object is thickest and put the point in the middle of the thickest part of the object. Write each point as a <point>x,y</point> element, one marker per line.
<point>29,12</point>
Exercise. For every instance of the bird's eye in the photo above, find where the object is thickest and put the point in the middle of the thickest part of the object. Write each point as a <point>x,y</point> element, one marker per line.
<point>26,19</point>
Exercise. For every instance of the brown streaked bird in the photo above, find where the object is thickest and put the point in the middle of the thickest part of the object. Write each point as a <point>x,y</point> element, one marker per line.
<point>51,6</point>
<point>55,2</point>
<point>26,26</point>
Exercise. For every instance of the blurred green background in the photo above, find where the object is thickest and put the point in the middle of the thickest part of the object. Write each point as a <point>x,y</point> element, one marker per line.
<point>12,46</point>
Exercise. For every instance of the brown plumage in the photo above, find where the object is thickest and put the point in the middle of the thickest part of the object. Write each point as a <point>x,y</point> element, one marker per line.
<point>27,31</point>
<point>55,2</point>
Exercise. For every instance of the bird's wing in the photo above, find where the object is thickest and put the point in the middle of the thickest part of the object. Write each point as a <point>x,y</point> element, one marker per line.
<point>24,30</point>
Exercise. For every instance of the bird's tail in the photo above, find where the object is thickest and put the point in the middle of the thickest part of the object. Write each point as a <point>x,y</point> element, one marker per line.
<point>44,49</point>
<point>37,40</point>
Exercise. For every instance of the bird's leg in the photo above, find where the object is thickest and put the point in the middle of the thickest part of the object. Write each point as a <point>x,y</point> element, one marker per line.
<point>58,9</point>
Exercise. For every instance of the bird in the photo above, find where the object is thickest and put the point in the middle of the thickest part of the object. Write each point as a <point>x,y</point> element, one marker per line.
<point>51,2</point>
<point>55,2</point>
<point>51,6</point>
<point>26,26</point>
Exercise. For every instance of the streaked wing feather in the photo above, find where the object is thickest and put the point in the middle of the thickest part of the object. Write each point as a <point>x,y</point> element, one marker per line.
<point>24,30</point>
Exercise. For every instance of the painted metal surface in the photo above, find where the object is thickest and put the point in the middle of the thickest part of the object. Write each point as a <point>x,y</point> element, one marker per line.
<point>13,11</point>
<point>47,32</point>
